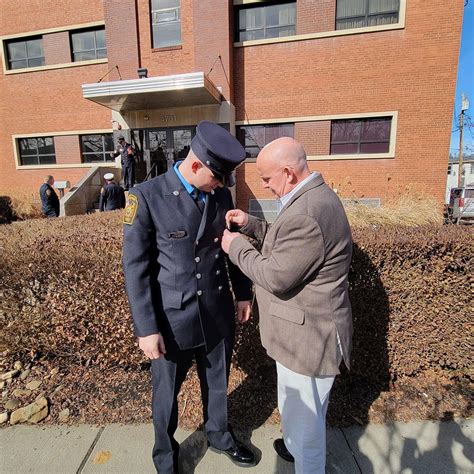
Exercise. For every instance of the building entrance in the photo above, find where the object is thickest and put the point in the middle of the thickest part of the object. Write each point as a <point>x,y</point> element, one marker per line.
<point>159,148</point>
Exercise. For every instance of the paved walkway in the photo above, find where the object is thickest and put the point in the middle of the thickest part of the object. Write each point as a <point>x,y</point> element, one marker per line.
<point>418,447</point>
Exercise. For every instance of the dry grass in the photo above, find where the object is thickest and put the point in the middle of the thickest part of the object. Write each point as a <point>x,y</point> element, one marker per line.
<point>409,209</point>
<point>25,205</point>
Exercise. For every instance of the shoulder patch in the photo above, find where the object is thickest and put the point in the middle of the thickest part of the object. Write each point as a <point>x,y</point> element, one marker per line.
<point>131,209</point>
<point>48,192</point>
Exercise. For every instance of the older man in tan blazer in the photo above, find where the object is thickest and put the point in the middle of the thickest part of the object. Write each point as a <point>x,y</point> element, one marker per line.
<point>301,278</point>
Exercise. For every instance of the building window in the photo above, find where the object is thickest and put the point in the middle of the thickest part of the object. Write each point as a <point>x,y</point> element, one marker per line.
<point>25,52</point>
<point>97,148</point>
<point>266,21</point>
<point>88,44</point>
<point>254,137</point>
<point>360,136</point>
<point>166,23</point>
<point>362,13</point>
<point>37,151</point>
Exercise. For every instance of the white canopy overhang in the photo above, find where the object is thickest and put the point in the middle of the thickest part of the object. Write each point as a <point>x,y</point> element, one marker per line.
<point>178,90</point>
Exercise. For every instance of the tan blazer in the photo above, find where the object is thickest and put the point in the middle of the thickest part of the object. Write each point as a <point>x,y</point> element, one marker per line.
<point>301,278</point>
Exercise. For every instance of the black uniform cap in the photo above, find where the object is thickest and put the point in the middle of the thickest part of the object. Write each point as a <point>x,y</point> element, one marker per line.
<point>218,150</point>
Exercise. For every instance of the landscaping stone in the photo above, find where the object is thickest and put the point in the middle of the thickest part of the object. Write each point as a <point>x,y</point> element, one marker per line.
<point>34,384</point>
<point>64,415</point>
<point>12,404</point>
<point>10,374</point>
<point>21,392</point>
<point>25,374</point>
<point>32,413</point>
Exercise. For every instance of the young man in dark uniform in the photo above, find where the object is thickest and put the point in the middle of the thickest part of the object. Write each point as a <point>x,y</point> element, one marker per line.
<point>178,285</point>
<point>49,198</point>
<point>112,196</point>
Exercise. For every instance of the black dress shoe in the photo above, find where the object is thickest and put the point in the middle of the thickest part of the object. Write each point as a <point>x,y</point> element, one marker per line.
<point>280,448</point>
<point>239,454</point>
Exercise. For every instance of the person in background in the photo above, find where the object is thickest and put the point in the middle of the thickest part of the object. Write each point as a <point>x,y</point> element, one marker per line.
<point>302,291</point>
<point>112,195</point>
<point>49,198</point>
<point>127,161</point>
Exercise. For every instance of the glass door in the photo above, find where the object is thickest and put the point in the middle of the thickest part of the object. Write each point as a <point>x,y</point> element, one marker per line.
<point>181,143</point>
<point>158,148</point>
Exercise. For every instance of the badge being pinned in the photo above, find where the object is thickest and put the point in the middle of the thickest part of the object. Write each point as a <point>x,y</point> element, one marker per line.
<point>131,209</point>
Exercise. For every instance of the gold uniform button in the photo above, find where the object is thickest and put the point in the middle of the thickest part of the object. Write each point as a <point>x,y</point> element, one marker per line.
<point>216,239</point>
<point>197,259</point>
<point>199,292</point>
<point>198,276</point>
<point>220,288</point>
<point>218,272</point>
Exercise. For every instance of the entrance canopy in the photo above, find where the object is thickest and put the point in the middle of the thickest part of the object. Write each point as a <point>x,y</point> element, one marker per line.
<point>160,92</point>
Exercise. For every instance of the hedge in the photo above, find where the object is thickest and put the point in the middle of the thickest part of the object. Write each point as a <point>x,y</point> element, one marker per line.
<point>62,295</point>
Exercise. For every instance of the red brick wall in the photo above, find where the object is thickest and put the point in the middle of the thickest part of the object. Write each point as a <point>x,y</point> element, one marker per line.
<point>314,136</point>
<point>121,38</point>
<point>57,48</point>
<point>29,15</point>
<point>175,60</point>
<point>213,37</point>
<point>412,70</point>
<point>314,16</point>
<point>67,149</point>
<point>48,100</point>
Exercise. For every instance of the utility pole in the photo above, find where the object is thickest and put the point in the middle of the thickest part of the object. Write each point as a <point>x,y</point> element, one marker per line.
<point>464,106</point>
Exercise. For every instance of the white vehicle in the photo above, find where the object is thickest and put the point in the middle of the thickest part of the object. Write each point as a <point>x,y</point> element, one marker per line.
<point>461,204</point>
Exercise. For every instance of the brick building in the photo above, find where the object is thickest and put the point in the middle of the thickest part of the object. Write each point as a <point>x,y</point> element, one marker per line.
<point>366,85</point>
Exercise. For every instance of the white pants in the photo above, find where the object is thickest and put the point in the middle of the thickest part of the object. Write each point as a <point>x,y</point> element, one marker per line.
<point>303,403</point>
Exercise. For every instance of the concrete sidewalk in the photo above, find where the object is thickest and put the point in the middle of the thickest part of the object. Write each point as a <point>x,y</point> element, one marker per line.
<point>418,447</point>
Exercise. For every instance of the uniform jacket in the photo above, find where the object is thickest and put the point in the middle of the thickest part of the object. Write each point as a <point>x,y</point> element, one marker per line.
<point>127,159</point>
<point>49,200</point>
<point>112,196</point>
<point>301,278</point>
<point>176,275</point>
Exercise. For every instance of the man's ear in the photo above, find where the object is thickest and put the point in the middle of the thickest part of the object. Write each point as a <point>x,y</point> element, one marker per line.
<point>290,175</point>
<point>195,165</point>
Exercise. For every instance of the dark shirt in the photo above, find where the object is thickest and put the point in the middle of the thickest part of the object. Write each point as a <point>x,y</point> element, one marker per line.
<point>127,159</point>
<point>112,196</point>
<point>49,201</point>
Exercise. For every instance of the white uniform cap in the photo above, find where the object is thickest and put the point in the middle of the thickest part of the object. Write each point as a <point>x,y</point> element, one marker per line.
<point>109,176</point>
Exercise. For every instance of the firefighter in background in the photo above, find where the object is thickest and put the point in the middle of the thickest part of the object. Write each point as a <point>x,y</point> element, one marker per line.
<point>127,160</point>
<point>49,198</point>
<point>112,196</point>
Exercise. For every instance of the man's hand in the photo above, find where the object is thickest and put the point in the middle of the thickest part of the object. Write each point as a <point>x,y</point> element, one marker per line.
<point>244,311</point>
<point>153,345</point>
<point>227,239</point>
<point>237,217</point>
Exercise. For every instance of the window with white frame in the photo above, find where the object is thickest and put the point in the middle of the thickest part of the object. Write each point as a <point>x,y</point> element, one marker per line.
<point>363,13</point>
<point>166,23</point>
<point>25,52</point>
<point>36,151</point>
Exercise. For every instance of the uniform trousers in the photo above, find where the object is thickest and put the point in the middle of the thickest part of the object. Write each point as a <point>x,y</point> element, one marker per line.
<point>128,173</point>
<point>303,403</point>
<point>168,373</point>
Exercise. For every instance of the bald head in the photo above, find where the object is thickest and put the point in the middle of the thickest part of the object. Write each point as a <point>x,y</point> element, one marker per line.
<point>282,165</point>
<point>285,151</point>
